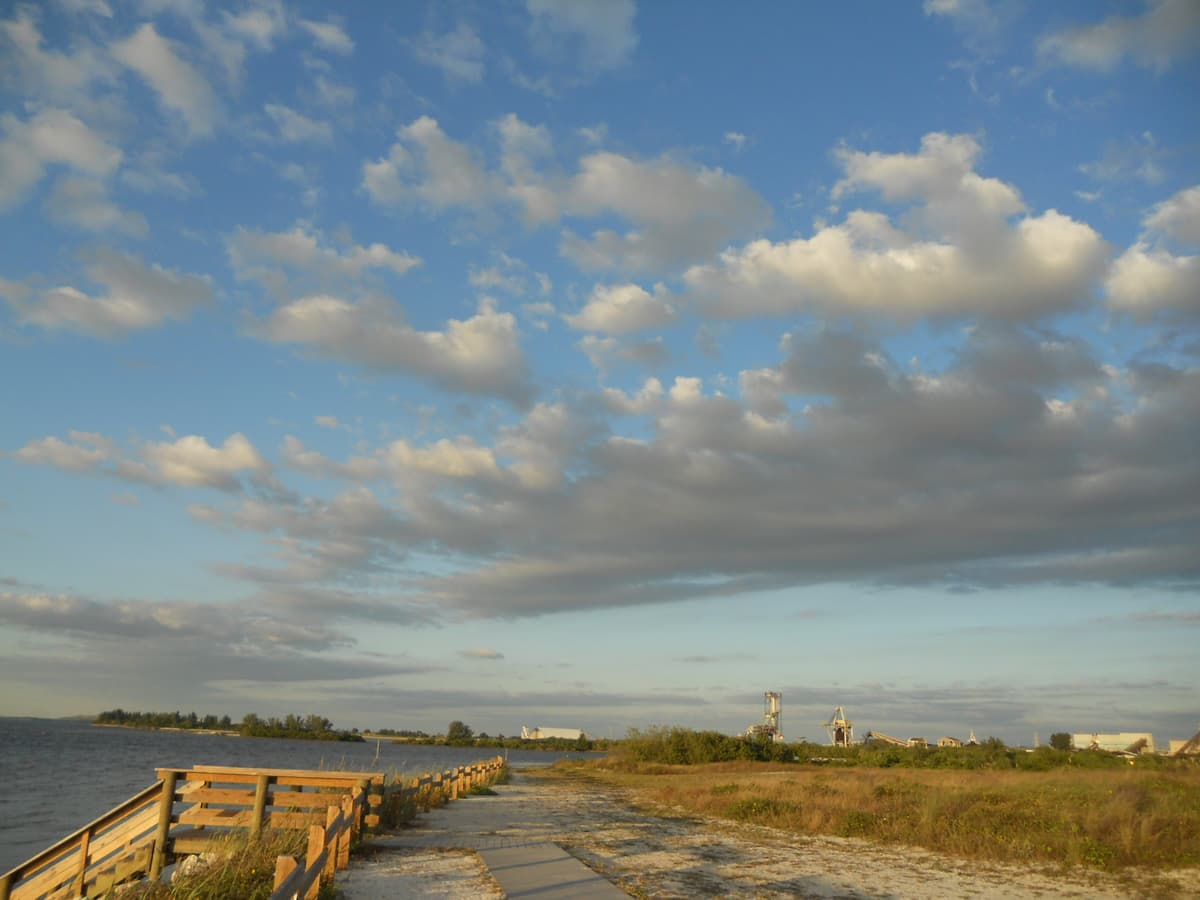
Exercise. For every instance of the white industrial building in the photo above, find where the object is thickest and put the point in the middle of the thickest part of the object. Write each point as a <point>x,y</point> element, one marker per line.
<point>1132,741</point>
<point>541,734</point>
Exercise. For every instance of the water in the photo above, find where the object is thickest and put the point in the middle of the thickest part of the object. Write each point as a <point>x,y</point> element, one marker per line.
<point>56,775</point>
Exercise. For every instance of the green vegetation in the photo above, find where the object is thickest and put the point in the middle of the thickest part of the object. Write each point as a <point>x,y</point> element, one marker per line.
<point>682,746</point>
<point>312,727</point>
<point>1110,818</point>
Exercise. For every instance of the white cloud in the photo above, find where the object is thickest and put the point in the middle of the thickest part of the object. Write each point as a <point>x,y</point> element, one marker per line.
<point>84,452</point>
<point>84,203</point>
<point>261,22</point>
<point>296,127</point>
<point>327,422</point>
<point>268,257</point>
<point>440,171</point>
<point>47,74</point>
<point>1166,32</point>
<point>460,458</point>
<point>179,86</point>
<point>736,139</point>
<point>1136,158</point>
<point>479,355</point>
<point>459,53</point>
<point>679,212</point>
<point>622,308</point>
<point>970,247</point>
<point>1178,217</point>
<point>329,36</point>
<point>648,399</point>
<point>1148,277</point>
<point>188,461</point>
<point>603,27</point>
<point>137,297</point>
<point>51,136</point>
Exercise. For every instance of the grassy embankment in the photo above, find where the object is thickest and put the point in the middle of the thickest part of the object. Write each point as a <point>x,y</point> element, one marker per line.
<point>1047,810</point>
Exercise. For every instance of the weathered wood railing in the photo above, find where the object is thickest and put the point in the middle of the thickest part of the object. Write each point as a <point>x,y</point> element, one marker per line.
<point>328,847</point>
<point>187,808</point>
<point>179,815</point>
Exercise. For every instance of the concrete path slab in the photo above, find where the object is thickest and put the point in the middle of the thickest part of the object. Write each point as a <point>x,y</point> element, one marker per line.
<point>546,872</point>
<point>513,833</point>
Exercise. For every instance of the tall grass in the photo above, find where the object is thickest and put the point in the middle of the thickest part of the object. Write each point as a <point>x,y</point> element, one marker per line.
<point>236,866</point>
<point>1106,819</point>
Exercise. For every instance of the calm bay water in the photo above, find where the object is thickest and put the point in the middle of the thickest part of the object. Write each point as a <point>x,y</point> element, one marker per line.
<point>56,776</point>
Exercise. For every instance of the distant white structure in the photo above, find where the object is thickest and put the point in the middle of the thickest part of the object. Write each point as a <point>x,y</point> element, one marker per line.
<point>771,728</point>
<point>540,734</point>
<point>1132,741</point>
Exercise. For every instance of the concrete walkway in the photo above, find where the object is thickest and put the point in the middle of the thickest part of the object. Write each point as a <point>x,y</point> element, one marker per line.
<point>511,832</point>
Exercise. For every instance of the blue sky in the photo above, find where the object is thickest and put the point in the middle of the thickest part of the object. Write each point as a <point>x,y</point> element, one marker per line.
<point>600,365</point>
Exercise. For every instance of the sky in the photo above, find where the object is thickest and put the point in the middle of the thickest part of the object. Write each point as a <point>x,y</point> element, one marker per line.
<point>593,364</point>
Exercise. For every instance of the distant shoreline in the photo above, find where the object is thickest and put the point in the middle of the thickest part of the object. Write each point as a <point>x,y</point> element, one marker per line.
<point>134,727</point>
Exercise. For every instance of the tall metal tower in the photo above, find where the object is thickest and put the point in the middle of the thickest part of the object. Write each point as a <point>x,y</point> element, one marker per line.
<point>840,729</point>
<point>773,714</point>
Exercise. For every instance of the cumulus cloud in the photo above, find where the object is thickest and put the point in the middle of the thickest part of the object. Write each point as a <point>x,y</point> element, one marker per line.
<point>53,136</point>
<point>679,212</point>
<point>426,165</point>
<point>967,246</point>
<point>137,296</point>
<point>604,28</point>
<point>479,355</point>
<point>180,87</point>
<point>1166,32</point>
<point>622,308</point>
<point>1150,277</point>
<point>188,461</point>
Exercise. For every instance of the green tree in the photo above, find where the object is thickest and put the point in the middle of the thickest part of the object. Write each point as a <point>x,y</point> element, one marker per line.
<point>459,733</point>
<point>1060,740</point>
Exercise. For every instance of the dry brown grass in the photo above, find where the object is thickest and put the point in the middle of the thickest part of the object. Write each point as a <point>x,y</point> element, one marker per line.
<point>1106,819</point>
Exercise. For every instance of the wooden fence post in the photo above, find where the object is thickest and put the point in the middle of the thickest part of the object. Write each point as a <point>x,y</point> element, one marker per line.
<point>166,802</point>
<point>346,833</point>
<point>316,844</point>
<point>284,866</point>
<point>84,842</point>
<point>260,804</point>
<point>331,815</point>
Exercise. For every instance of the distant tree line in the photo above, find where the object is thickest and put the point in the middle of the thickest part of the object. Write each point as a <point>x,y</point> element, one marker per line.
<point>460,734</point>
<point>312,727</point>
<point>683,746</point>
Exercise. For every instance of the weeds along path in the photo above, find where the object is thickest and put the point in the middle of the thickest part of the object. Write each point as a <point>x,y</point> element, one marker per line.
<point>657,853</point>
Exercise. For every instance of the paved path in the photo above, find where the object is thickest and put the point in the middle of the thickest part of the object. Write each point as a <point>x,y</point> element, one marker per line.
<point>513,837</point>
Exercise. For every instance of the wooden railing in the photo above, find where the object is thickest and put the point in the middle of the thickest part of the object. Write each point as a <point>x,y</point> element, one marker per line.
<point>329,847</point>
<point>186,809</point>
<point>180,814</point>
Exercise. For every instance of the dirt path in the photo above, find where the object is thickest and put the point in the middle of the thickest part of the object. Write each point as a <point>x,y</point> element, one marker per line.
<point>665,856</point>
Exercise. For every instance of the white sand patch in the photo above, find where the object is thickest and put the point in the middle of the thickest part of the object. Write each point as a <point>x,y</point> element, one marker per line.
<point>417,872</point>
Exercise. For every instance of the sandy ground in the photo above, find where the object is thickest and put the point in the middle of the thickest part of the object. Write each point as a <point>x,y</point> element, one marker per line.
<point>667,856</point>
